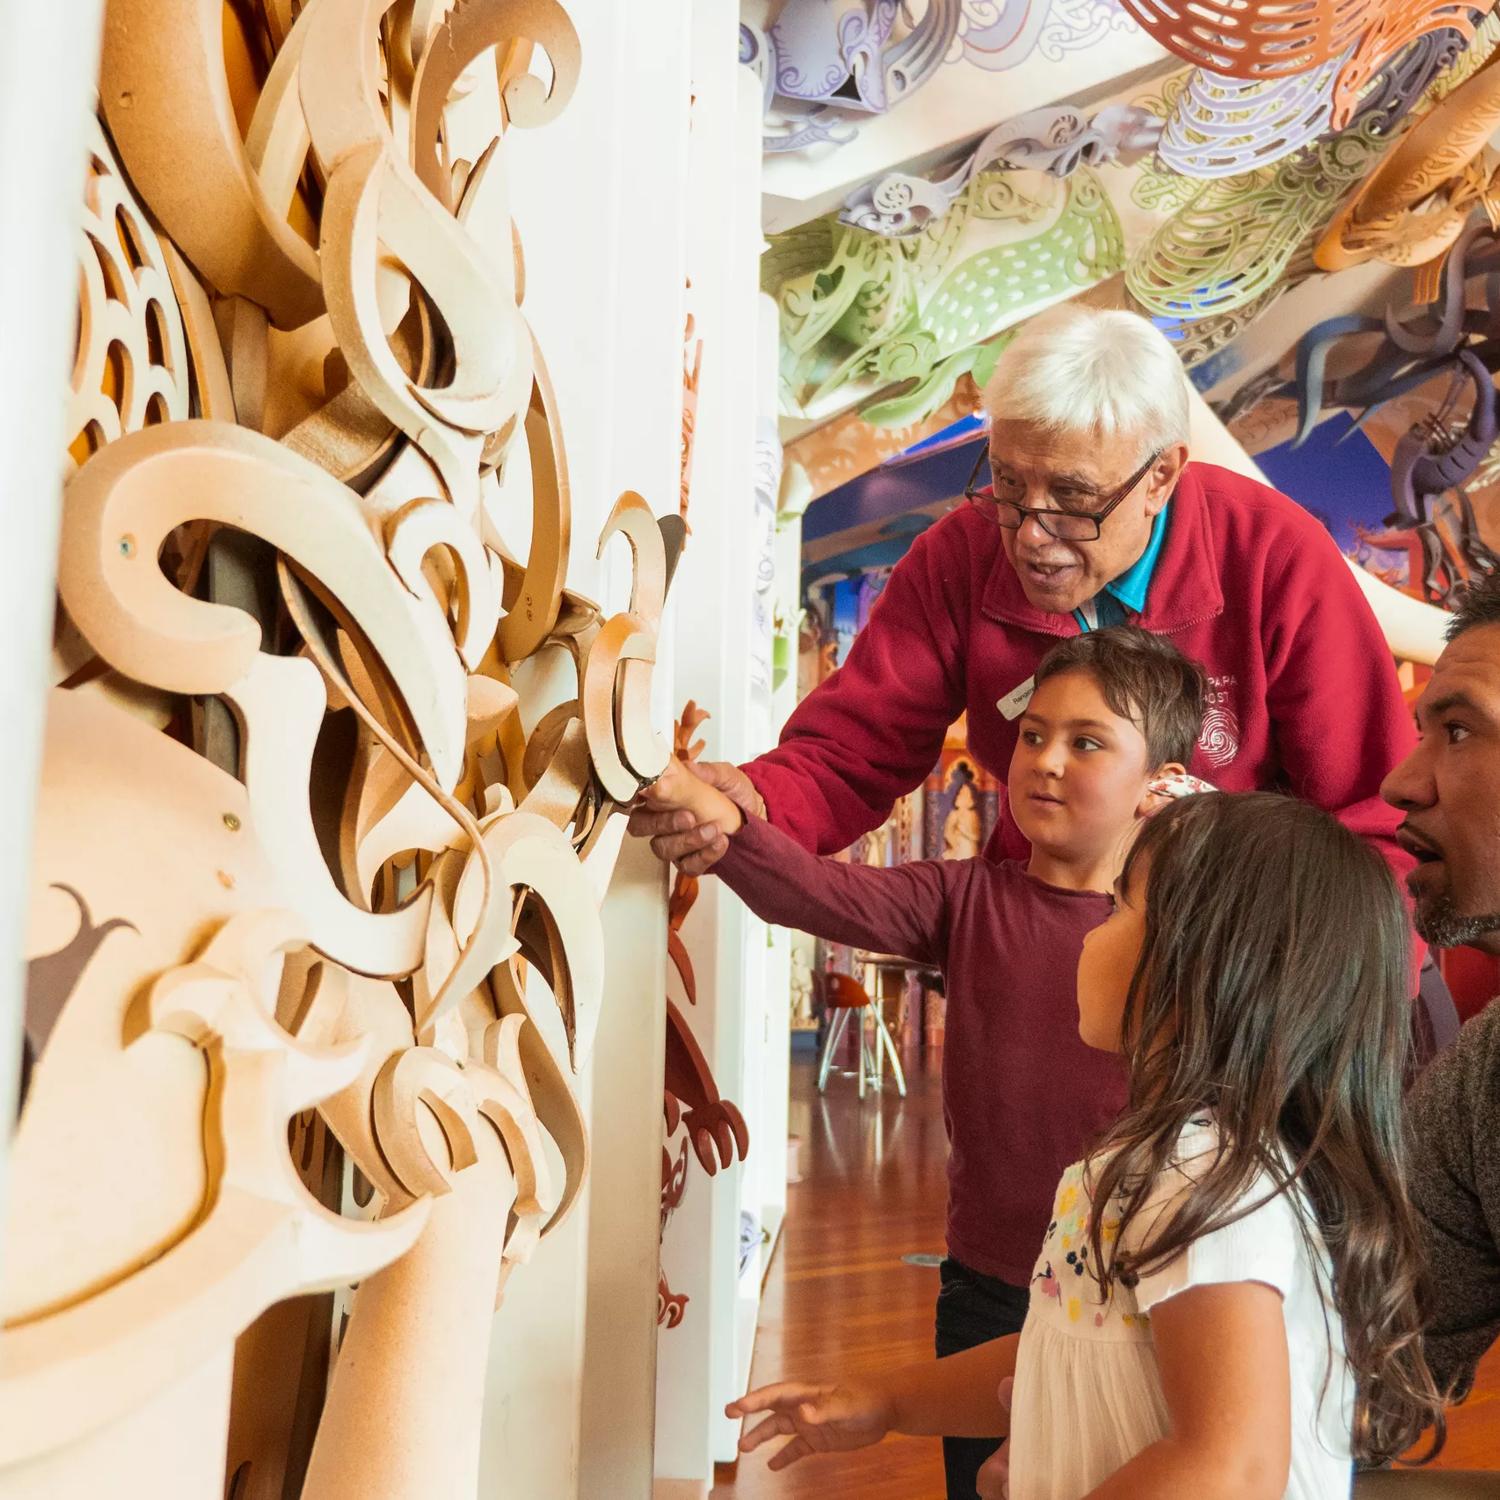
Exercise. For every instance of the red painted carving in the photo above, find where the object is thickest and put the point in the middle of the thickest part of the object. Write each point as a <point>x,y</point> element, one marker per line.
<point>715,1127</point>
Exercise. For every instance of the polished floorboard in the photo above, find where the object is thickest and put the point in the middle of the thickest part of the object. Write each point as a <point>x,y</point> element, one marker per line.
<point>840,1299</point>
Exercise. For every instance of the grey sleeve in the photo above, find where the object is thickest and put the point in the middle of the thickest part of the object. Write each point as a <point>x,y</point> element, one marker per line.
<point>1454,1137</point>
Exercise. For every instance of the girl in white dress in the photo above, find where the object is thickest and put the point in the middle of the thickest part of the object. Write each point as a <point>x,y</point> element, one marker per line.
<point>1227,1301</point>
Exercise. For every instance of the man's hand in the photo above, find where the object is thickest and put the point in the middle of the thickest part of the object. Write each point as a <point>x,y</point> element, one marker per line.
<point>993,1480</point>
<point>679,838</point>
<point>817,1418</point>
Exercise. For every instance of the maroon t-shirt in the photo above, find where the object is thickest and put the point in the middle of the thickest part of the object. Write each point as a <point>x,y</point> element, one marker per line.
<point>1022,1095</point>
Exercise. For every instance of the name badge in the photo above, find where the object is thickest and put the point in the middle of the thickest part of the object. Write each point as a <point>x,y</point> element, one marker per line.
<point>1013,704</point>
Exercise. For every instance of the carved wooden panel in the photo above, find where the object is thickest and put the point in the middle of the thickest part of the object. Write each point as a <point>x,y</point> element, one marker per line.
<point>309,892</point>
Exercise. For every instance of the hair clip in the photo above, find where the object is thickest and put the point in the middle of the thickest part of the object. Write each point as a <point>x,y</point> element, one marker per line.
<point>1179,786</point>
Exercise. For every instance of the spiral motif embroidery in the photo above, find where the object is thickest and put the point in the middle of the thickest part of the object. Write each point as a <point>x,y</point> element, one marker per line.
<point>1220,739</point>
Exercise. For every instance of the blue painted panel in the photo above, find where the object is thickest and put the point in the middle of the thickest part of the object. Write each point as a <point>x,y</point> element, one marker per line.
<point>882,554</point>
<point>890,490</point>
<point>1337,474</point>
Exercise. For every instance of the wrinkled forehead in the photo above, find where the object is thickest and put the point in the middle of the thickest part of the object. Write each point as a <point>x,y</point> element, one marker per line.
<point>1468,671</point>
<point>1029,448</point>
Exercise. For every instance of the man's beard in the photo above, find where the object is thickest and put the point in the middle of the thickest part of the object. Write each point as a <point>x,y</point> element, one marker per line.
<point>1440,923</point>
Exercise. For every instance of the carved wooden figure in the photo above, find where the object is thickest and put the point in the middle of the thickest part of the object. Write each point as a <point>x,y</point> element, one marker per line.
<point>714,1126</point>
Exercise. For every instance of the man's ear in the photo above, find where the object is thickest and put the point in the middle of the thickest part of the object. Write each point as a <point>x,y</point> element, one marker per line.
<point>1165,473</point>
<point>1152,801</point>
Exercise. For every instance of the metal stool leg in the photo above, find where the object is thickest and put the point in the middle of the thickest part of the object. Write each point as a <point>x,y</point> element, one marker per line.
<point>889,1042</point>
<point>836,1029</point>
<point>872,989</point>
<point>862,1051</point>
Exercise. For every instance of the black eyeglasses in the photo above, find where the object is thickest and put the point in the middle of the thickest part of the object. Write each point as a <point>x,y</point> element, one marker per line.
<point>1065,525</point>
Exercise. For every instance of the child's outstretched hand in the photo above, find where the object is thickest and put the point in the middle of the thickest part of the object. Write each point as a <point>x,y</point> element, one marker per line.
<point>817,1418</point>
<point>679,788</point>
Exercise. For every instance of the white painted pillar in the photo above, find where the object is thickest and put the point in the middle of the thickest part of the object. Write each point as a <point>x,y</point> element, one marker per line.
<point>649,310</point>
<point>48,69</point>
<point>772,1042</point>
<point>599,199</point>
<point>701,1362</point>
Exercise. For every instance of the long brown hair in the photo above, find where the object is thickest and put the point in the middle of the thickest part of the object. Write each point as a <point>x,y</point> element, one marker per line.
<point>1275,960</point>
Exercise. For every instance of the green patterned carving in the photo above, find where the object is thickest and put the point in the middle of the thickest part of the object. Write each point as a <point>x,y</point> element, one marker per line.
<point>922,399</point>
<point>898,312</point>
<point>797,252</point>
<point>1157,190</point>
<point>817,303</point>
<point>934,389</point>
<point>1163,192</point>
<point>1005,195</point>
<point>1196,339</point>
<point>1085,245</point>
<point>1235,238</point>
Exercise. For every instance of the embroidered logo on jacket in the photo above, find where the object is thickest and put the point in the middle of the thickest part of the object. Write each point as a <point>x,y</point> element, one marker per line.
<point>1220,739</point>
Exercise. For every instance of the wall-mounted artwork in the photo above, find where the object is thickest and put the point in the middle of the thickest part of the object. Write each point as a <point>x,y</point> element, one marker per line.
<point>1214,188</point>
<point>311,924</point>
<point>961,804</point>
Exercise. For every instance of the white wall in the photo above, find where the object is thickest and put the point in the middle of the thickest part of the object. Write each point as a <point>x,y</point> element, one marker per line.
<point>701,1362</point>
<point>47,72</point>
<point>766,1037</point>
<point>598,199</point>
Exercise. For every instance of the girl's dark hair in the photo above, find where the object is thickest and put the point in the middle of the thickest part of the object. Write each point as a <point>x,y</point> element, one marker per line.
<point>1143,678</point>
<point>1275,959</point>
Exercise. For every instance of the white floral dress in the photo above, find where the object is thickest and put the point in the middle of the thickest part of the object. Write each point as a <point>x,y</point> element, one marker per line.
<point>1088,1393</point>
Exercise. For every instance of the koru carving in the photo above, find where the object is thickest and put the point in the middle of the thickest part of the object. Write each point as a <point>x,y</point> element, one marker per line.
<point>310,864</point>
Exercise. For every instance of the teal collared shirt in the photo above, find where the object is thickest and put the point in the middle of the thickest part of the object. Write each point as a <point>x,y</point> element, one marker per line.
<point>1128,591</point>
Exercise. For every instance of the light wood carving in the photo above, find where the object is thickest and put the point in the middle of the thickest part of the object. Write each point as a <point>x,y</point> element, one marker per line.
<point>314,957</point>
<point>166,98</point>
<point>131,366</point>
<point>1412,208</point>
<point>377,209</point>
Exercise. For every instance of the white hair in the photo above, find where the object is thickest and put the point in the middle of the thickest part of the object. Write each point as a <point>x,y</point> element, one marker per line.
<point>1092,371</point>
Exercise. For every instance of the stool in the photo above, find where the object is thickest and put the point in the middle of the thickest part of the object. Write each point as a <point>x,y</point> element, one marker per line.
<point>842,998</point>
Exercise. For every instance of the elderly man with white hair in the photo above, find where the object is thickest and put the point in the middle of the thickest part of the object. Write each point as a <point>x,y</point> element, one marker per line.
<point>1094,515</point>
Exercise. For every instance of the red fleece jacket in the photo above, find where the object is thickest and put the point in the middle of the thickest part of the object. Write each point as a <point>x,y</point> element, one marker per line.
<point>1303,695</point>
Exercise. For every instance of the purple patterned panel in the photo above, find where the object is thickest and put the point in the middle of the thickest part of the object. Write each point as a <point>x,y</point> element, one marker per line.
<point>1057,140</point>
<point>820,45</point>
<point>820,127</point>
<point>920,53</point>
<point>822,57</point>
<point>862,39</point>
<point>1224,126</point>
<point>1396,88</point>
<point>898,205</point>
<point>1005,33</point>
<point>756,54</point>
<point>805,51</point>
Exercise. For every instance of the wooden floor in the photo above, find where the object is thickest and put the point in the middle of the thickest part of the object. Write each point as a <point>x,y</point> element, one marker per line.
<point>839,1297</point>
